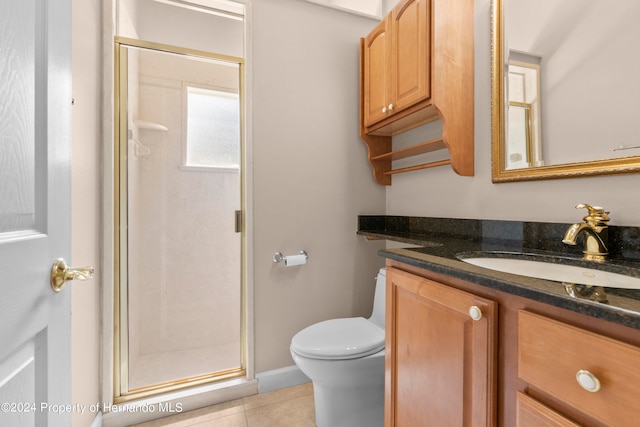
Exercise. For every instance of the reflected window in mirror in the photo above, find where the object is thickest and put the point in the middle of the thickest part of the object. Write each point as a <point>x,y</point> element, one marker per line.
<point>523,145</point>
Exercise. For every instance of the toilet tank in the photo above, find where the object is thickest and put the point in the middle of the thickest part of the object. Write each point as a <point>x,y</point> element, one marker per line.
<point>377,314</point>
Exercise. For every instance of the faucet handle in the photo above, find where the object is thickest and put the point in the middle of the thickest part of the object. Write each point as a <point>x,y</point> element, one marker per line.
<point>597,215</point>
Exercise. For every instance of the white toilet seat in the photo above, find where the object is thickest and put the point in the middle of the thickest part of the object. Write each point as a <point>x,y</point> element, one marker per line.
<point>339,339</point>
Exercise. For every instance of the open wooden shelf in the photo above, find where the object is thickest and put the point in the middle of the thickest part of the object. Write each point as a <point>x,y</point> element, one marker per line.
<point>414,150</point>
<point>418,167</point>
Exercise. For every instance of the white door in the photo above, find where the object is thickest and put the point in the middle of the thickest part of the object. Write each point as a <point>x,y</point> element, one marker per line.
<point>35,213</point>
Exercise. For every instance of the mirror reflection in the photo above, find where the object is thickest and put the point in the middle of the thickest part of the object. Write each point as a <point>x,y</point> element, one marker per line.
<point>569,74</point>
<point>523,143</point>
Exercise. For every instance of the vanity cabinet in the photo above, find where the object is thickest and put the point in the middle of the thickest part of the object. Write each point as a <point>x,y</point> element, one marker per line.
<point>521,367</point>
<point>416,66</point>
<point>396,62</point>
<point>440,361</point>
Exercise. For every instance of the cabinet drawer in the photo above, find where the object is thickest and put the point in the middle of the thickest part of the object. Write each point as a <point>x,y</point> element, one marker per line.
<point>551,354</point>
<point>531,413</point>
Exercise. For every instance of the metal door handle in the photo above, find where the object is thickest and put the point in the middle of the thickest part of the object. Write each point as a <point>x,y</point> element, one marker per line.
<point>60,274</point>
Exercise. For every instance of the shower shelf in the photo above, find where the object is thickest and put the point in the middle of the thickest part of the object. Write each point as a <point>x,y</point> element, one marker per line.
<point>144,124</point>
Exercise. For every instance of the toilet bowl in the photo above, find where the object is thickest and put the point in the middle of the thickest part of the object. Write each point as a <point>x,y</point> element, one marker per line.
<point>344,358</point>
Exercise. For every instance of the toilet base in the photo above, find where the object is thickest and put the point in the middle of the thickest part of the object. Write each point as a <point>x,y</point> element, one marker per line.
<point>358,406</point>
<point>347,393</point>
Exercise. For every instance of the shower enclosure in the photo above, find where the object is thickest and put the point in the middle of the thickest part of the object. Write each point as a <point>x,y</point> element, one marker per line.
<point>179,240</point>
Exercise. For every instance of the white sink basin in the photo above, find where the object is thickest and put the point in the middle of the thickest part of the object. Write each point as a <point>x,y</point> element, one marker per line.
<point>552,271</point>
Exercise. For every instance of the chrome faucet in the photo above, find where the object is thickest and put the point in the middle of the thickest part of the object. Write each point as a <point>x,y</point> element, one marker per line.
<point>595,233</point>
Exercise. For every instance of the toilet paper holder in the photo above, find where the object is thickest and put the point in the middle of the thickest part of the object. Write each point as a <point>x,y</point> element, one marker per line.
<point>278,257</point>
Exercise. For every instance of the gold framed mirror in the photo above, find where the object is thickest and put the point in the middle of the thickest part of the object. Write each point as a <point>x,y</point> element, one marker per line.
<point>522,146</point>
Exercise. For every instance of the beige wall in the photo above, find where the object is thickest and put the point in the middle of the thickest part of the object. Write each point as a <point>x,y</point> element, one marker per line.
<point>86,204</point>
<point>311,178</point>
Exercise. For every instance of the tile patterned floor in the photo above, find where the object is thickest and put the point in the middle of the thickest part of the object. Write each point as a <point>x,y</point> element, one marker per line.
<point>289,407</point>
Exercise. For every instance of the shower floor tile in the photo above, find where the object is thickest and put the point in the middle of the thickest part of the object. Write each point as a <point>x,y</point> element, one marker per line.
<point>158,368</point>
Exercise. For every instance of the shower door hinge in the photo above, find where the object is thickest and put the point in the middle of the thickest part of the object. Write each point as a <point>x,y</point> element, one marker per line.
<point>238,221</point>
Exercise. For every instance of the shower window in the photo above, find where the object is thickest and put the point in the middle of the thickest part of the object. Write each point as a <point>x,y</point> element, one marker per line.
<point>212,131</point>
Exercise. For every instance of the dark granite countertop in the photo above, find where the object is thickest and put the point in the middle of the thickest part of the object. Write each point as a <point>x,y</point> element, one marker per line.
<point>442,241</point>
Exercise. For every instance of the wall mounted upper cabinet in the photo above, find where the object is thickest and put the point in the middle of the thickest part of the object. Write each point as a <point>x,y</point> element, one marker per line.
<point>376,79</point>
<point>416,67</point>
<point>396,57</point>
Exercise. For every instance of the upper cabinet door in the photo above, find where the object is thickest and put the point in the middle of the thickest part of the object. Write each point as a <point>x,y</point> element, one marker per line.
<point>410,53</point>
<point>397,63</point>
<point>376,91</point>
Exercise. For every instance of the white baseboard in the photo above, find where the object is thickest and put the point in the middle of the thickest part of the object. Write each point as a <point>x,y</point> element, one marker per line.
<point>276,379</point>
<point>97,421</point>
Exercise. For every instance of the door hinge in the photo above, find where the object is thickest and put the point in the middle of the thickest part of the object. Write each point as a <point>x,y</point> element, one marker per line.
<point>238,215</point>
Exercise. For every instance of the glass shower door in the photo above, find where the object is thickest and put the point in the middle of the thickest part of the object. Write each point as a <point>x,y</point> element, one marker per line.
<point>179,244</point>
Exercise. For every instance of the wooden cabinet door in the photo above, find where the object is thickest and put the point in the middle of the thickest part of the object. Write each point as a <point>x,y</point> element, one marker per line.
<point>410,53</point>
<point>440,363</point>
<point>376,74</point>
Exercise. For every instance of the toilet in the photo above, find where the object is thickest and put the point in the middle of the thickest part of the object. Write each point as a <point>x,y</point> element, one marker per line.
<point>344,358</point>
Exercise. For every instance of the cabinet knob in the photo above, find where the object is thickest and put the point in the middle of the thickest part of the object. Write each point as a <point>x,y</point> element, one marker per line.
<point>390,107</point>
<point>588,381</point>
<point>384,110</point>
<point>475,313</point>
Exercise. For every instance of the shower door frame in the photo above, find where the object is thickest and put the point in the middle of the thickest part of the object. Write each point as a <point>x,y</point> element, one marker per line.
<point>120,391</point>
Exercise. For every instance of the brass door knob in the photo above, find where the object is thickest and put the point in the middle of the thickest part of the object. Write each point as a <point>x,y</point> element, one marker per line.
<point>61,273</point>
